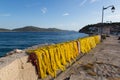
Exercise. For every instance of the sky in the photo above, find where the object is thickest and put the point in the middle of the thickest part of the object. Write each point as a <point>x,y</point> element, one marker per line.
<point>62,14</point>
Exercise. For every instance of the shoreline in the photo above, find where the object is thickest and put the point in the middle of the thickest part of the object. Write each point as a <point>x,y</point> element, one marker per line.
<point>17,51</point>
<point>18,42</point>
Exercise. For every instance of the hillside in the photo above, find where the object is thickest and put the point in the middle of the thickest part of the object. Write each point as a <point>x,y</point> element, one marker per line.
<point>31,29</point>
<point>35,29</point>
<point>4,30</point>
<point>28,29</point>
<point>93,28</point>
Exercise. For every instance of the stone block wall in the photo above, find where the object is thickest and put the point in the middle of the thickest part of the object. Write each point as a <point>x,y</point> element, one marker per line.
<point>17,67</point>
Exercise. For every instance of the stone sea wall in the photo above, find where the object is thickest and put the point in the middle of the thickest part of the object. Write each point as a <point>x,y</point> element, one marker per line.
<point>17,67</point>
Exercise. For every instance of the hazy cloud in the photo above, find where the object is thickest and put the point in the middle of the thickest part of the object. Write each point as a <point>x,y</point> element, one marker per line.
<point>92,1</point>
<point>5,14</point>
<point>44,10</point>
<point>83,2</point>
<point>66,14</point>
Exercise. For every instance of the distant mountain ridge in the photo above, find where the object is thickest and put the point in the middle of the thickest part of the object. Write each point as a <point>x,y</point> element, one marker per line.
<point>31,29</point>
<point>4,30</point>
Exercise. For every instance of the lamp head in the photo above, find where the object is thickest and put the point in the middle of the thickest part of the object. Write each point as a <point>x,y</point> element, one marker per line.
<point>113,9</point>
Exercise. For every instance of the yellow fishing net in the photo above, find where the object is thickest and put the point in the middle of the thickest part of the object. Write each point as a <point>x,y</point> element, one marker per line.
<point>54,57</point>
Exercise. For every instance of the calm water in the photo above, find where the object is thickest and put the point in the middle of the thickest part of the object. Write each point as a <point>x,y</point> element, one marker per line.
<point>21,40</point>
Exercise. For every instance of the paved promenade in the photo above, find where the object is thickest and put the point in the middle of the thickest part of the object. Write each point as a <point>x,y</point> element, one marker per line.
<point>102,63</point>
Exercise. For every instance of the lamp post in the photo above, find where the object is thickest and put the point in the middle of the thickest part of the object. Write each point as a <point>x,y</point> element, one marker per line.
<point>104,8</point>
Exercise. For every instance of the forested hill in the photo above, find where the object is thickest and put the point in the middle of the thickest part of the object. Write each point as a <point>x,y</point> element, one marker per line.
<point>31,29</point>
<point>4,30</point>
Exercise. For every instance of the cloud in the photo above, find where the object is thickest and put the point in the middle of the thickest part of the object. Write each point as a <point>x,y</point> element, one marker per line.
<point>92,1</point>
<point>66,14</point>
<point>5,14</point>
<point>83,2</point>
<point>44,10</point>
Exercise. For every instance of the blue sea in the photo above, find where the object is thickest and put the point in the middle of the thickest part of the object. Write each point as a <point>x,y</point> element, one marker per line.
<point>22,40</point>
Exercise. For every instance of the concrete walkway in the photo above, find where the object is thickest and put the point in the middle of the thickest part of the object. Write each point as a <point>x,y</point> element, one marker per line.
<point>102,63</point>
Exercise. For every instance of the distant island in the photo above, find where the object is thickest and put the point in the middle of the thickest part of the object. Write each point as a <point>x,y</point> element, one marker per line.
<point>4,30</point>
<point>31,29</point>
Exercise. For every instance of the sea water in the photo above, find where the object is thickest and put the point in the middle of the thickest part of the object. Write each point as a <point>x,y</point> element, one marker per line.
<point>22,40</point>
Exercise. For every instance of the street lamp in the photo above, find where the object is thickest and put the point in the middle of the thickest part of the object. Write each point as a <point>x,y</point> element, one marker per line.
<point>104,8</point>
